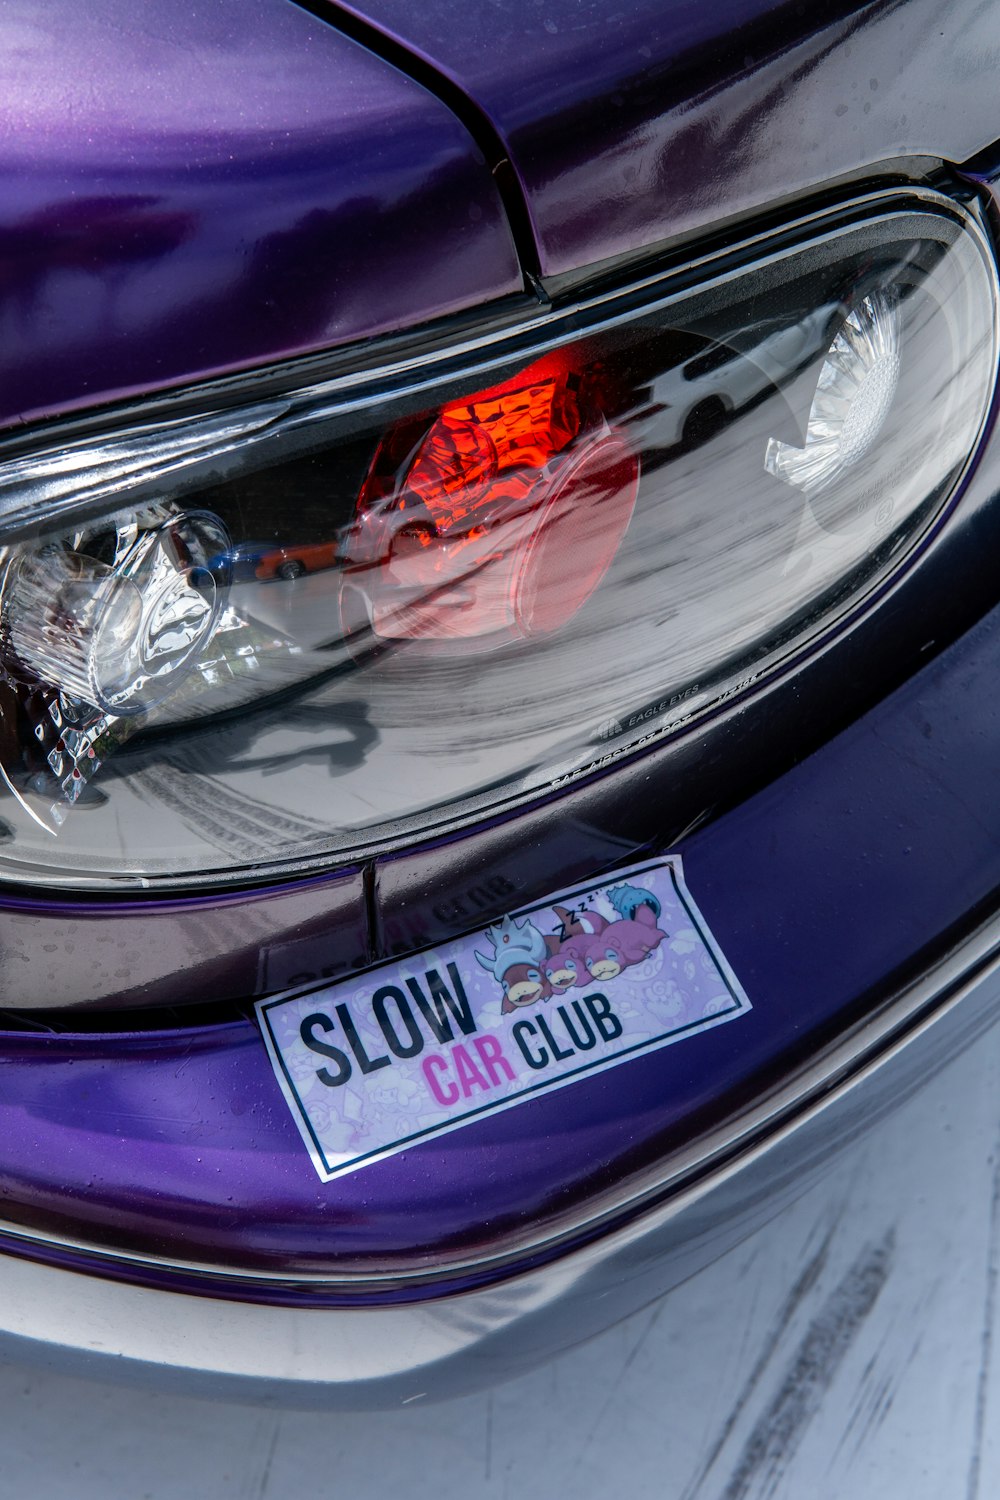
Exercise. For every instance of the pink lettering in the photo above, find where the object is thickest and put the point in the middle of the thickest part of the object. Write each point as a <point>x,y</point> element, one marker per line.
<point>469,1075</point>
<point>492,1058</point>
<point>435,1063</point>
<point>441,1072</point>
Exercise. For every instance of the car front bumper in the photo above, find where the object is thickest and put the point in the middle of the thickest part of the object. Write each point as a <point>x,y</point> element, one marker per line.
<point>855,898</point>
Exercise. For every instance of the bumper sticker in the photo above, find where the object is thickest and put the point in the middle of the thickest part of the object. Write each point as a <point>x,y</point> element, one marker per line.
<point>416,1047</point>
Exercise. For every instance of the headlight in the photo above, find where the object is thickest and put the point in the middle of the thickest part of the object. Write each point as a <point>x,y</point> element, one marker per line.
<point>118,634</point>
<point>294,632</point>
<point>855,392</point>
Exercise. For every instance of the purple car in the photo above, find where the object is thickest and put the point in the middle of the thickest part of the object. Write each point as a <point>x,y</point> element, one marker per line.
<point>421,954</point>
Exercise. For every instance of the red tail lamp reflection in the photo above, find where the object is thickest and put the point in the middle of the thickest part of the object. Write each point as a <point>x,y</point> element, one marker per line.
<point>498,520</point>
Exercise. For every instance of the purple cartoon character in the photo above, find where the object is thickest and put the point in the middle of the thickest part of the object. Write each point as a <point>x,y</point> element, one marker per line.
<point>519,950</point>
<point>620,945</point>
<point>628,941</point>
<point>566,964</point>
<point>578,922</point>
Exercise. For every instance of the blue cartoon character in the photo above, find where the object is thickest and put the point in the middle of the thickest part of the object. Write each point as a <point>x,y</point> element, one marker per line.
<point>632,902</point>
<point>519,950</point>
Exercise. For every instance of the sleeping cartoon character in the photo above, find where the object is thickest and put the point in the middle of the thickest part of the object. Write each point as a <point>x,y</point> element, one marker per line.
<point>523,985</point>
<point>519,950</point>
<point>621,944</point>
<point>566,964</point>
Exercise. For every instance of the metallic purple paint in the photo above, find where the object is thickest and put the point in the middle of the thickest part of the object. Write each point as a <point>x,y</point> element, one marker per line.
<point>179,1143</point>
<point>187,191</point>
<point>70,953</point>
<point>632,124</point>
<point>298,194</point>
<point>201,949</point>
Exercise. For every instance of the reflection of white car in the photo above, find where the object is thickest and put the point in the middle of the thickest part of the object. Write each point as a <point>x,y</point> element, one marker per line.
<point>690,402</point>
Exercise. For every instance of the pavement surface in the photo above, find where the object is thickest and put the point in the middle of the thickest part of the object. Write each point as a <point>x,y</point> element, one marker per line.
<point>850,1350</point>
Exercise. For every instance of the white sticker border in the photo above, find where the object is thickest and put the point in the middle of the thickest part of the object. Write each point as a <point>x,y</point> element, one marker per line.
<point>671,862</point>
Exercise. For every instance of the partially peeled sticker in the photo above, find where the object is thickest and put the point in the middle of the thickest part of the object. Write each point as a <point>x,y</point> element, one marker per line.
<point>554,993</point>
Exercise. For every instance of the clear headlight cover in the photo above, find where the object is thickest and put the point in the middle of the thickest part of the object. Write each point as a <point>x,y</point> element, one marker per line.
<point>288,634</point>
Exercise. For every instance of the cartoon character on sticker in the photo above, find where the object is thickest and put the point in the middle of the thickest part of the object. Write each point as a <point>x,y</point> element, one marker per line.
<point>578,922</point>
<point>586,948</point>
<point>634,903</point>
<point>566,966</point>
<point>519,950</point>
<point>621,944</point>
<point>615,946</point>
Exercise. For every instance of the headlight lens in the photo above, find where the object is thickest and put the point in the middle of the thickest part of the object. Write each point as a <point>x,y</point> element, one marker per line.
<point>119,634</point>
<point>339,621</point>
<point>854,395</point>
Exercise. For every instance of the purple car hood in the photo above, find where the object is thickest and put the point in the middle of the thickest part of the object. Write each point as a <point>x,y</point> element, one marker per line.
<point>188,190</point>
<point>634,122</point>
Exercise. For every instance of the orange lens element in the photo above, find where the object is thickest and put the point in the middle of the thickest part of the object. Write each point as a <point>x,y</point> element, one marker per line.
<point>461,541</point>
<point>489,450</point>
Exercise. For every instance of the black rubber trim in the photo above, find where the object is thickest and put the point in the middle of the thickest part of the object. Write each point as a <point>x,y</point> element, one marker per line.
<point>485,134</point>
<point>985,165</point>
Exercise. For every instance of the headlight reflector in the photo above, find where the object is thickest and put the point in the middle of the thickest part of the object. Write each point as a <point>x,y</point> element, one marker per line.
<point>854,394</point>
<point>116,634</point>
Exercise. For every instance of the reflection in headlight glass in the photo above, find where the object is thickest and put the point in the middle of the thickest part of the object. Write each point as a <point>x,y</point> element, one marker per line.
<point>363,636</point>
